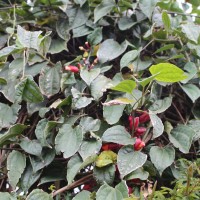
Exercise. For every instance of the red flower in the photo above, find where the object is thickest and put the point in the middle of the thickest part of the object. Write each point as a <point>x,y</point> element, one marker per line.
<point>139,144</point>
<point>140,131</point>
<point>87,187</point>
<point>133,122</point>
<point>72,68</point>
<point>144,117</point>
<point>130,190</point>
<point>111,146</point>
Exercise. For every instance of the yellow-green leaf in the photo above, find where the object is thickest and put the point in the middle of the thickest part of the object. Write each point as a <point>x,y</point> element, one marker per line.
<point>106,158</point>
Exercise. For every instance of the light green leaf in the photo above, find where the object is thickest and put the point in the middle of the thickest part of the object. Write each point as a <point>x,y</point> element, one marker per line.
<point>167,72</point>
<point>49,80</point>
<point>106,158</point>
<point>162,157</point>
<point>83,195</point>
<point>146,81</point>
<point>157,124</point>
<point>90,124</point>
<point>195,125</point>
<point>29,39</point>
<point>164,48</point>
<point>38,194</point>
<point>125,86</point>
<point>110,49</point>
<point>104,174</point>
<point>16,163</point>
<point>89,148</point>
<point>181,137</point>
<point>103,9</point>
<point>118,134</point>
<point>68,140</point>
<point>129,160</point>
<point>6,51</point>
<point>6,196</point>
<point>99,86</point>
<point>118,101</point>
<point>89,76</point>
<point>32,147</point>
<point>138,173</point>
<point>160,105</point>
<point>123,188</point>
<point>16,68</point>
<point>8,114</point>
<point>126,23</point>
<point>128,57</point>
<point>147,7</point>
<point>28,90</point>
<point>82,102</point>
<point>14,130</point>
<point>192,31</point>
<point>113,113</point>
<point>192,91</point>
<point>166,20</point>
<point>106,192</point>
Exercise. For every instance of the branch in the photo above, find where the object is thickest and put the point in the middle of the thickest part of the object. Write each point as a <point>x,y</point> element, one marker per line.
<point>73,185</point>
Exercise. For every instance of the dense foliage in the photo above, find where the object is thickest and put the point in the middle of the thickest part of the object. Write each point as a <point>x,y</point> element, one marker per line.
<point>99,99</point>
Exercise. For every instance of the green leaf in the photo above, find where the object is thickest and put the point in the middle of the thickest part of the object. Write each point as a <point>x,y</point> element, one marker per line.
<point>162,157</point>
<point>83,195</point>
<point>118,134</point>
<point>49,80</point>
<point>103,9</point>
<point>181,137</point>
<point>192,91</point>
<point>147,7</point>
<point>62,28</point>
<point>110,49</point>
<point>164,48</point>
<point>39,195</point>
<point>167,72</point>
<point>104,174</point>
<point>123,188</point>
<point>129,160</point>
<point>195,125</point>
<point>192,31</point>
<point>118,101</point>
<point>106,192</point>
<point>89,76</point>
<point>166,20</point>
<point>138,173</point>
<point>126,23</point>
<point>8,115</point>
<point>161,105</point>
<point>68,140</point>
<point>6,196</point>
<point>57,45</point>
<point>99,86</point>
<point>125,86</point>
<point>146,81</point>
<point>16,163</point>
<point>89,124</point>
<point>82,102</point>
<point>29,178</point>
<point>106,158</point>
<point>89,148</point>
<point>6,51</point>
<point>28,90</point>
<point>128,57</point>
<point>95,37</point>
<point>16,68</point>
<point>191,69</point>
<point>46,158</point>
<point>113,113</point>
<point>157,124</point>
<point>14,130</point>
<point>32,147</point>
<point>29,39</point>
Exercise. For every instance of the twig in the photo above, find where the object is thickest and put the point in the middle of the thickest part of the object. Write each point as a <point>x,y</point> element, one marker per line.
<point>72,185</point>
<point>181,117</point>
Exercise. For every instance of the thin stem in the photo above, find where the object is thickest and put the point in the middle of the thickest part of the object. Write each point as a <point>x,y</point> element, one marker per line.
<point>181,117</point>
<point>73,185</point>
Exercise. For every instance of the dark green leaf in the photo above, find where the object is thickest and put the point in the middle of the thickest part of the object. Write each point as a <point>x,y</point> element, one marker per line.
<point>83,195</point>
<point>166,20</point>
<point>39,195</point>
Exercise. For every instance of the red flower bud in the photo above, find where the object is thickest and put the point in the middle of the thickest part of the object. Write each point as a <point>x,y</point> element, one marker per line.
<point>133,122</point>
<point>111,146</point>
<point>130,190</point>
<point>144,117</point>
<point>87,45</point>
<point>72,68</point>
<point>87,187</point>
<point>139,144</point>
<point>140,131</point>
